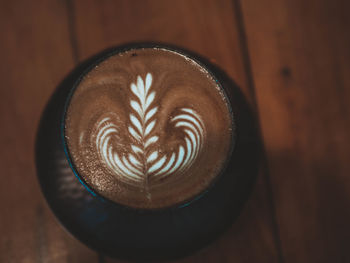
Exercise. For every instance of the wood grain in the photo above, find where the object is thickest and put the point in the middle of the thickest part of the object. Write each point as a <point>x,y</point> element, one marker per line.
<point>295,68</point>
<point>209,28</point>
<point>35,54</point>
<point>300,58</point>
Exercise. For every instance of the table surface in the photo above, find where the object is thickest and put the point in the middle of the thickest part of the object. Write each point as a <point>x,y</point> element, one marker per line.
<point>291,58</point>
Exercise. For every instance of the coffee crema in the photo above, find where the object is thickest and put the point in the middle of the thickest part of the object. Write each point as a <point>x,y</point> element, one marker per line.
<point>148,128</point>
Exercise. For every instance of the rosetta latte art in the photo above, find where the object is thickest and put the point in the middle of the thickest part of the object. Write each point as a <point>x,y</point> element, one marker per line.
<point>148,128</point>
<point>143,161</point>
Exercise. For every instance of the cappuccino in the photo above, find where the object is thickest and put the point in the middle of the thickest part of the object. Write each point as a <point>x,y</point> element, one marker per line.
<point>148,128</point>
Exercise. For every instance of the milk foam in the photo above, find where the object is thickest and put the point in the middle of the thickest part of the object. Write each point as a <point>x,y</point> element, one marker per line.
<point>141,163</point>
<point>148,128</point>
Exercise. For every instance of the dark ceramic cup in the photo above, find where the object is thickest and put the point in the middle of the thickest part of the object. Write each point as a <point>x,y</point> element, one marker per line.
<point>141,234</point>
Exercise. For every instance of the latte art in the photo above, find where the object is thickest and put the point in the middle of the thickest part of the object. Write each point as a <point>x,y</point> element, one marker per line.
<point>148,128</point>
<point>143,160</point>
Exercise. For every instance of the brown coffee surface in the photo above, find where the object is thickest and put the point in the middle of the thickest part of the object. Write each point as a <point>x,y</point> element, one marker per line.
<point>148,128</point>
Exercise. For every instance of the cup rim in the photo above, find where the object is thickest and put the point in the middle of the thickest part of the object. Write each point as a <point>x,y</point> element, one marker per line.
<point>104,55</point>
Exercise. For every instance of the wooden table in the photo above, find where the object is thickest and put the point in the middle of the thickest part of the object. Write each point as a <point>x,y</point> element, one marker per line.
<point>291,58</point>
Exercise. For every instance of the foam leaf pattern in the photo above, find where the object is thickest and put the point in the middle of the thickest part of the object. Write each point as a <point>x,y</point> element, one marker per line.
<point>143,160</point>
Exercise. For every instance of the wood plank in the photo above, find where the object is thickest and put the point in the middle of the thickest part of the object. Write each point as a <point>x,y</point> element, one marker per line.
<point>301,62</point>
<point>206,27</point>
<point>35,54</point>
